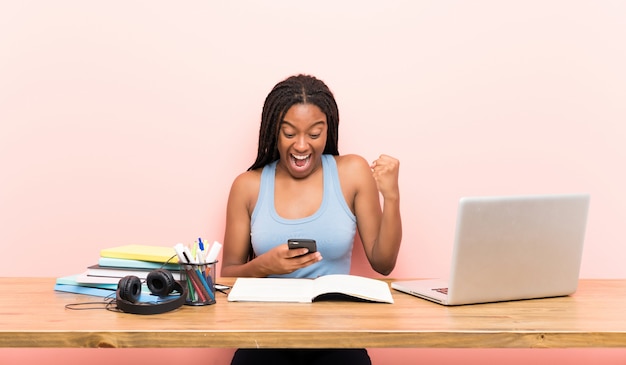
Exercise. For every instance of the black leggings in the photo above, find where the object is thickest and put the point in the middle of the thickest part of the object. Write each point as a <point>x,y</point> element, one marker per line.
<point>301,356</point>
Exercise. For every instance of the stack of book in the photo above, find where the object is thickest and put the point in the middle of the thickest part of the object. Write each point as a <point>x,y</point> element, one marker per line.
<point>117,262</point>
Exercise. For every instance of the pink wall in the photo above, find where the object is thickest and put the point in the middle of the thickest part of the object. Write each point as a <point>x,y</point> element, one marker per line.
<point>125,122</point>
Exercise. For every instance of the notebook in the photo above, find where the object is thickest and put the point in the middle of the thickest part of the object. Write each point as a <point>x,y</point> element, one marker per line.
<point>511,248</point>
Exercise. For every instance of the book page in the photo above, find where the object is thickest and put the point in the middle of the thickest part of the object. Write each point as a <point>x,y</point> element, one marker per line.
<point>356,286</point>
<point>272,290</point>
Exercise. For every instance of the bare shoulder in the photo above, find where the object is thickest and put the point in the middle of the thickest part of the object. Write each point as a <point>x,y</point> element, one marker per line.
<point>246,186</point>
<point>352,164</point>
<point>354,173</point>
<point>248,177</point>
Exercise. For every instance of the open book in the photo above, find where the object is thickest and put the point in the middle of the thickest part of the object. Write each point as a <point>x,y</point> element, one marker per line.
<point>350,287</point>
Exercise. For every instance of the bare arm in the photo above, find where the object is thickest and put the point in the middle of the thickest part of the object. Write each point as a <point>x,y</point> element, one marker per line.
<point>380,229</point>
<point>237,233</point>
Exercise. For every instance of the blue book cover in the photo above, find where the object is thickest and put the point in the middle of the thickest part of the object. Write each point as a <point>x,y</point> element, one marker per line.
<point>71,280</point>
<point>79,289</point>
<point>145,295</point>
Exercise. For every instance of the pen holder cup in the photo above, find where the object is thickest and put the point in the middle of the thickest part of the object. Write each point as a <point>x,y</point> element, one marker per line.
<point>200,282</point>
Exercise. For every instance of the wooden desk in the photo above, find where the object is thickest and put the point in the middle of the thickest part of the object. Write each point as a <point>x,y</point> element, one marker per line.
<point>33,315</point>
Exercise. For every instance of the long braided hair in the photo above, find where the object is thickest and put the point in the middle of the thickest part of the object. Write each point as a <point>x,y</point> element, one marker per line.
<point>300,89</point>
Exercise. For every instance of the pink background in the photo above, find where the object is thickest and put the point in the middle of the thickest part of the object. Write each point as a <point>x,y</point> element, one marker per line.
<point>126,121</point>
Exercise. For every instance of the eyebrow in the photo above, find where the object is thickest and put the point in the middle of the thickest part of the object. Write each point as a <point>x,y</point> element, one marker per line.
<point>312,126</point>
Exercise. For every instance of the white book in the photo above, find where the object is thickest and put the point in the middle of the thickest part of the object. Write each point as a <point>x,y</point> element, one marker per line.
<point>86,278</point>
<point>135,264</point>
<point>120,272</point>
<point>350,287</point>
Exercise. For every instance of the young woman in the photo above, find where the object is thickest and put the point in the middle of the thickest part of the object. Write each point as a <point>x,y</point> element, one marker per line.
<point>300,187</point>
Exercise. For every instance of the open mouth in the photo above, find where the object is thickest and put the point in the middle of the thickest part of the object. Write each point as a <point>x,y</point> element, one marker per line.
<point>300,161</point>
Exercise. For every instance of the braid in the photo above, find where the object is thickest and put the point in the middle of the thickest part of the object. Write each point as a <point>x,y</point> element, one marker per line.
<point>300,89</point>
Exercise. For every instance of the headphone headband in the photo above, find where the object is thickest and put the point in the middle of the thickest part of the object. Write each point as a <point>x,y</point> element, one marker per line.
<point>129,288</point>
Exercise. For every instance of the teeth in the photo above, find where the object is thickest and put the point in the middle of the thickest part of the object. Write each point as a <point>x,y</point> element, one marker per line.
<point>301,157</point>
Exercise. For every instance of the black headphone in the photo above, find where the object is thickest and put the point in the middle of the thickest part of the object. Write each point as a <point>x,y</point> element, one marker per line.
<point>160,282</point>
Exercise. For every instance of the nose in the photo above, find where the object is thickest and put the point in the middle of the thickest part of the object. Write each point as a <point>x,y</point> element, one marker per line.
<point>300,143</point>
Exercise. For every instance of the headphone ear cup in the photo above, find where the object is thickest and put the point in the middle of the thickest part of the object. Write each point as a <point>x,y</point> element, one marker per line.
<point>160,282</point>
<point>129,288</point>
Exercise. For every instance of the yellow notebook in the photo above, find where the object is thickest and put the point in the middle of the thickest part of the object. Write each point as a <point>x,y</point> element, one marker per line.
<point>141,252</point>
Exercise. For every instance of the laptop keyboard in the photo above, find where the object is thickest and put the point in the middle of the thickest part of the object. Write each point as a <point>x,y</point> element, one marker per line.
<point>442,290</point>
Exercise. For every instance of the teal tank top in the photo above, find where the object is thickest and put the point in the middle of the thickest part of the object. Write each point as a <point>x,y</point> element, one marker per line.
<point>332,226</point>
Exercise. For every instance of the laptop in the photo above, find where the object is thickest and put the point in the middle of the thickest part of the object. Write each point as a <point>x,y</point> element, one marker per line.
<point>511,248</point>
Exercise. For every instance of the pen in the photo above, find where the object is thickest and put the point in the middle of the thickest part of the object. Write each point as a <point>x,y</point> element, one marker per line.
<point>184,256</point>
<point>197,277</point>
<point>201,270</point>
<point>200,259</point>
<point>192,276</point>
<point>192,292</point>
<point>200,243</point>
<point>206,286</point>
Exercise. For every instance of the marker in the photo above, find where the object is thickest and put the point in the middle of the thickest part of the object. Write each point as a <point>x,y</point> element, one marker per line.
<point>180,252</point>
<point>194,251</point>
<point>215,250</point>
<point>190,258</point>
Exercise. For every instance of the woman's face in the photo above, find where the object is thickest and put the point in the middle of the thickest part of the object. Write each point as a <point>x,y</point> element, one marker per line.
<point>302,139</point>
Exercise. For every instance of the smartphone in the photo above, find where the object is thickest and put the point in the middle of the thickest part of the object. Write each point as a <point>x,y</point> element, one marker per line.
<point>302,242</point>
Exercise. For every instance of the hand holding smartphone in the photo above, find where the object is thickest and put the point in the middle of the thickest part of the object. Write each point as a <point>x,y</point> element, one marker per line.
<point>302,242</point>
